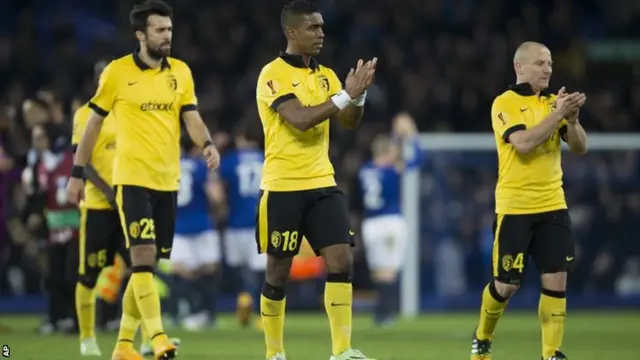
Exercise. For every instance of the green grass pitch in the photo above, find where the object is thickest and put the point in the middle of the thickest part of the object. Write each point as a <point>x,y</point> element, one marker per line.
<point>588,336</point>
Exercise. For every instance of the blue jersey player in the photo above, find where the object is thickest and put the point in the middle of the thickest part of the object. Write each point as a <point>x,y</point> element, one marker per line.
<point>241,172</point>
<point>384,230</point>
<point>196,251</point>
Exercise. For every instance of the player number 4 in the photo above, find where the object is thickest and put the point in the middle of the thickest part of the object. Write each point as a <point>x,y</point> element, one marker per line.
<point>290,242</point>
<point>518,263</point>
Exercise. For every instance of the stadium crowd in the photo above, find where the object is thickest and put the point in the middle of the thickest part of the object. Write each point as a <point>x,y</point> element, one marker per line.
<point>441,61</point>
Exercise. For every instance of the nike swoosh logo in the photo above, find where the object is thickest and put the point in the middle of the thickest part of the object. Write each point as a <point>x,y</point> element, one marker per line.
<point>340,304</point>
<point>165,250</point>
<point>558,314</point>
<point>268,315</point>
<point>569,258</point>
<point>351,233</point>
<point>295,84</point>
<point>524,109</point>
<point>144,296</point>
<point>132,83</point>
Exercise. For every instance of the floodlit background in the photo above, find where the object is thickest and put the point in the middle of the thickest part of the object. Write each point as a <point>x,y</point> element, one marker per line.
<point>443,61</point>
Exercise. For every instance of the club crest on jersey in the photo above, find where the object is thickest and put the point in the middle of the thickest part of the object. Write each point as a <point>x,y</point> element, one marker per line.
<point>172,82</point>
<point>276,239</point>
<point>507,262</point>
<point>324,82</point>
<point>134,229</point>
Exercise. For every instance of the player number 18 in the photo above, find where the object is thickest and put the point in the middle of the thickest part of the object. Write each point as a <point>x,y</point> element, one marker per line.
<point>290,242</point>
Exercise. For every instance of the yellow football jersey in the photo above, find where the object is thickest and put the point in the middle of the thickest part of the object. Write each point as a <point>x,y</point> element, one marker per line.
<point>147,105</point>
<point>527,183</point>
<point>295,160</point>
<point>101,158</point>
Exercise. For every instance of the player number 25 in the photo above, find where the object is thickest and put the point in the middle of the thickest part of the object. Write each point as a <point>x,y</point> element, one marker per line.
<point>148,229</point>
<point>290,241</point>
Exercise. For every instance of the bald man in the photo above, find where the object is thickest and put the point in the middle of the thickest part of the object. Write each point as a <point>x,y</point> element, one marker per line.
<point>532,220</point>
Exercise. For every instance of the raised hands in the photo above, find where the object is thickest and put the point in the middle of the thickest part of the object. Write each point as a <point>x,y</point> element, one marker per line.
<point>361,78</point>
<point>569,104</point>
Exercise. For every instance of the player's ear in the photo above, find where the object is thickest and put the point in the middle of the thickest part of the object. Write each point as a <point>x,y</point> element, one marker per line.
<point>291,33</point>
<point>140,35</point>
<point>518,68</point>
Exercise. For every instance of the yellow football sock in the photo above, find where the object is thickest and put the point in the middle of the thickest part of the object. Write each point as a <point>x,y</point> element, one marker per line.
<point>272,314</point>
<point>492,308</point>
<point>86,311</point>
<point>148,300</point>
<point>338,297</point>
<point>130,319</point>
<point>552,311</point>
<point>144,335</point>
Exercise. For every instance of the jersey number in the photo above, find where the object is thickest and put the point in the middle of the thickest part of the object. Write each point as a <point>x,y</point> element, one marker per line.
<point>97,259</point>
<point>144,229</point>
<point>372,191</point>
<point>518,263</point>
<point>249,178</point>
<point>185,193</point>
<point>290,242</point>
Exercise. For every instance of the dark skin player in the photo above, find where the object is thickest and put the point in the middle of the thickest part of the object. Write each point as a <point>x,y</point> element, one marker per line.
<point>305,37</point>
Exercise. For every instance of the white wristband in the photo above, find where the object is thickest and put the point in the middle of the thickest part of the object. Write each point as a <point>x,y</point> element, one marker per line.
<point>360,100</point>
<point>341,99</point>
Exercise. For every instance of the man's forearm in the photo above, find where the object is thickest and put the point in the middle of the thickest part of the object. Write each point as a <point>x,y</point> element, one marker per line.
<point>88,141</point>
<point>198,131</point>
<point>349,117</point>
<point>304,118</point>
<point>526,141</point>
<point>576,138</point>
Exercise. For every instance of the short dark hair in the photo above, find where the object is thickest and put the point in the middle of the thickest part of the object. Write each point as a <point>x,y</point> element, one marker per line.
<point>140,13</point>
<point>294,8</point>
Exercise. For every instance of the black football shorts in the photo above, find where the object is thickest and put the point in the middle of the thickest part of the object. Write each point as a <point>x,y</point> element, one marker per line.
<point>100,240</point>
<point>147,217</point>
<point>545,237</point>
<point>285,217</point>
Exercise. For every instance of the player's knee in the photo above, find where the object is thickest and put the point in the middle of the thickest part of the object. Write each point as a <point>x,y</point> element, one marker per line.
<point>338,258</point>
<point>143,255</point>
<point>209,269</point>
<point>182,271</point>
<point>504,290</point>
<point>555,281</point>
<point>88,280</point>
<point>278,270</point>
<point>385,275</point>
